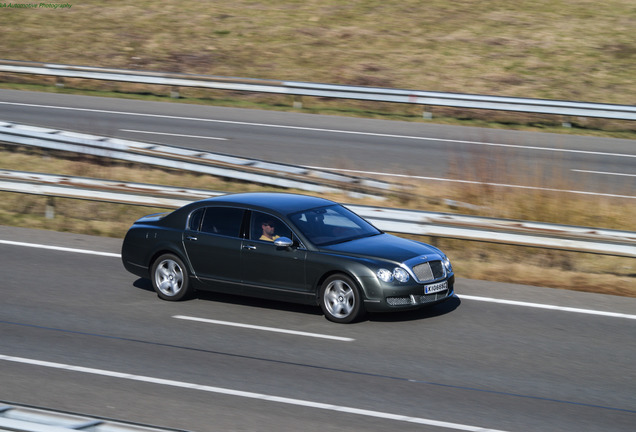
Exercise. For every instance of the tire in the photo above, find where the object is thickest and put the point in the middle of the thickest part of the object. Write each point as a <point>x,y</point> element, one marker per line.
<point>340,299</point>
<point>170,278</point>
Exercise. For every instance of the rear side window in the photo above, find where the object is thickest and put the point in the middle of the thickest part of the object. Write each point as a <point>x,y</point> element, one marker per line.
<point>222,221</point>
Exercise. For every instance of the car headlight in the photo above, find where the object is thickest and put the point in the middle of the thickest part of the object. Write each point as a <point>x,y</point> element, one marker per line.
<point>448,265</point>
<point>385,275</point>
<point>398,274</point>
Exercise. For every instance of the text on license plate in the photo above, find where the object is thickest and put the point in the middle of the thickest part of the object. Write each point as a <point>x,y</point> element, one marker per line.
<point>430,289</point>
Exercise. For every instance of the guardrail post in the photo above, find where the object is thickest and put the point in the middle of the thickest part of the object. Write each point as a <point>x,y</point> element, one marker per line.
<point>49,211</point>
<point>59,82</point>
<point>298,102</point>
<point>174,92</point>
<point>427,114</point>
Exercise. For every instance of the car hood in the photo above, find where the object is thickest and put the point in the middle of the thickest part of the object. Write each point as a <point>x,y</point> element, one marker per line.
<point>383,246</point>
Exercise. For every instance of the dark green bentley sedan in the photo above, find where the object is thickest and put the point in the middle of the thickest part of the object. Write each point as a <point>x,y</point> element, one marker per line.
<point>286,247</point>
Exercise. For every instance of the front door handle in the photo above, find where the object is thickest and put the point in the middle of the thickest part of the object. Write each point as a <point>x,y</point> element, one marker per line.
<point>249,247</point>
<point>191,238</point>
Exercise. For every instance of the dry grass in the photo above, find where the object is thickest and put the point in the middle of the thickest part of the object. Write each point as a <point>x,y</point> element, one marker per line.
<point>559,49</point>
<point>541,267</point>
<point>474,260</point>
<point>546,194</point>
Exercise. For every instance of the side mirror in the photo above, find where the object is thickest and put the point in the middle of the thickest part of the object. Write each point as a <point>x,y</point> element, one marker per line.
<point>283,242</point>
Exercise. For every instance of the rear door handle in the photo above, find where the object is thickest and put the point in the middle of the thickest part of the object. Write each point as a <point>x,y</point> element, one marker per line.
<point>192,238</point>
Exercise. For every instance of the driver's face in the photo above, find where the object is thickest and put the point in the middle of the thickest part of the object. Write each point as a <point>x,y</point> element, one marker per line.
<point>268,229</point>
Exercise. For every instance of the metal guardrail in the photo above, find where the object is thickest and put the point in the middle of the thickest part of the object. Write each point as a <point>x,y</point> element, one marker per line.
<point>220,165</point>
<point>523,233</point>
<point>20,418</point>
<point>112,191</point>
<point>512,232</point>
<point>295,88</point>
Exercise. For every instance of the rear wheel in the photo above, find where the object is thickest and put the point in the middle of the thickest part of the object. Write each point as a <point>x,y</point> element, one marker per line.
<point>170,278</point>
<point>340,299</point>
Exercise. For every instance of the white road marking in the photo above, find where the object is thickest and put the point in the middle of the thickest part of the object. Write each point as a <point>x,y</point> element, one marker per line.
<point>547,306</point>
<point>578,192</point>
<point>393,136</point>
<point>269,329</point>
<point>249,395</point>
<point>173,134</point>
<point>467,297</point>
<point>383,135</point>
<point>604,173</point>
<point>61,249</point>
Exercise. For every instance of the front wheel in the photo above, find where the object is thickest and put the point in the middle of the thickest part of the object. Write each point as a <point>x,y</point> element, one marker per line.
<point>170,278</point>
<point>340,299</point>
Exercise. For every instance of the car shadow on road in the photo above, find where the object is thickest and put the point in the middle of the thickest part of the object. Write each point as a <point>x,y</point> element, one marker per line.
<point>258,302</point>
<point>143,284</point>
<point>425,312</point>
<point>146,285</point>
<point>398,316</point>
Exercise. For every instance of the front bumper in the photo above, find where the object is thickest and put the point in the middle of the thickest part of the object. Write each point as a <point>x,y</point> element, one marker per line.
<point>390,298</point>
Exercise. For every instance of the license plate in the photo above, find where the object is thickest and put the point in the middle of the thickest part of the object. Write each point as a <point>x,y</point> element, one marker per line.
<point>430,289</point>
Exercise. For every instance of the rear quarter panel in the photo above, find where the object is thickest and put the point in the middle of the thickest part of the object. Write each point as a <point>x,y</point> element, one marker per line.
<point>142,244</point>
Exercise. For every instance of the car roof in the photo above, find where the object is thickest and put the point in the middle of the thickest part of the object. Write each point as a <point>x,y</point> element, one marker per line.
<point>283,203</point>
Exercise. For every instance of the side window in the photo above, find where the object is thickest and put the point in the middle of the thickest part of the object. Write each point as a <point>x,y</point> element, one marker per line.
<point>267,227</point>
<point>222,221</point>
<point>194,223</point>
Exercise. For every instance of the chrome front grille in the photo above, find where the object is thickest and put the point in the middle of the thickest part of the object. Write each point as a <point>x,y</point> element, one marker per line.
<point>438,269</point>
<point>429,271</point>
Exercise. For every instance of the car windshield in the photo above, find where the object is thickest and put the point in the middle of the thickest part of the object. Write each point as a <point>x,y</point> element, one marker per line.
<point>332,224</point>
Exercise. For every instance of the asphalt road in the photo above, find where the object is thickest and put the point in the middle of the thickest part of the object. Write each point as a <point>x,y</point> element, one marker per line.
<point>78,333</point>
<point>414,149</point>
